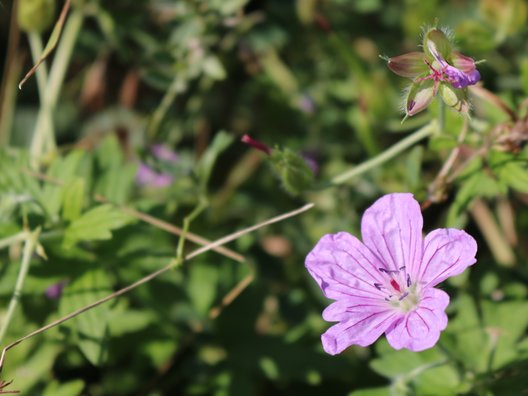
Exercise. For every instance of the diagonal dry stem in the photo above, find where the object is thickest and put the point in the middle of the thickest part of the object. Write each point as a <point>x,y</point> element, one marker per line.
<point>218,242</point>
<point>147,219</point>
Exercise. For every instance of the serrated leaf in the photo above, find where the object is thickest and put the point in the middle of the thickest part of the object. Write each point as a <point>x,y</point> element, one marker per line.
<point>96,224</point>
<point>63,171</point>
<point>117,182</point>
<point>91,327</point>
<point>73,199</point>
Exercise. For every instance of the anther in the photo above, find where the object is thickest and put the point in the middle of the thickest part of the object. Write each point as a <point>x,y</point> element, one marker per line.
<point>403,296</point>
<point>377,286</point>
<point>408,280</point>
<point>388,271</point>
<point>402,268</point>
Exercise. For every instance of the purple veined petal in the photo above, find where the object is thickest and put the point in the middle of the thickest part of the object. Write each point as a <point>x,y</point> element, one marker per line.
<point>459,79</point>
<point>344,267</point>
<point>447,252</point>
<point>348,307</point>
<point>420,329</point>
<point>392,230</point>
<point>409,65</point>
<point>362,328</point>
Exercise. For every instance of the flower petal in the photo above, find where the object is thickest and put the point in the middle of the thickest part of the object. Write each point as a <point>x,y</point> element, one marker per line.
<point>459,79</point>
<point>362,328</point>
<point>392,230</point>
<point>344,267</point>
<point>420,329</point>
<point>409,65</point>
<point>447,252</point>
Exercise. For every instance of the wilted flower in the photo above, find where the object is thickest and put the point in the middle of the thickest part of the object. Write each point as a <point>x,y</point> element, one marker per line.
<point>54,291</point>
<point>164,153</point>
<point>146,176</point>
<point>387,283</point>
<point>439,69</point>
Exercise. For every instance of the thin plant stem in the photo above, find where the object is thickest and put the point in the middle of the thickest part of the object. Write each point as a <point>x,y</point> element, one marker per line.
<point>44,130</point>
<point>42,141</point>
<point>218,242</point>
<point>202,204</point>
<point>29,247</point>
<point>494,236</point>
<point>176,86</point>
<point>12,66</point>
<point>19,237</point>
<point>387,155</point>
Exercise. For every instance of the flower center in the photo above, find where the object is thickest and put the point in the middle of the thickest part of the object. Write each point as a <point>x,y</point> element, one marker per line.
<point>400,292</point>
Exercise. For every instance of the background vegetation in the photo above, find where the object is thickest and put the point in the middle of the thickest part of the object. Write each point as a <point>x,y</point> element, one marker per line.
<point>90,202</point>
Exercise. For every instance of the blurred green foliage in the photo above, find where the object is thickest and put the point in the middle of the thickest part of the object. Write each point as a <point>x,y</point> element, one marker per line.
<point>305,75</point>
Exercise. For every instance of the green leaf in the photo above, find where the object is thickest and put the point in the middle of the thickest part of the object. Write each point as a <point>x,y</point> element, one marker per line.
<point>202,285</point>
<point>91,327</point>
<point>221,141</point>
<point>63,170</point>
<point>504,326</point>
<point>214,68</point>
<point>385,391</point>
<point>70,388</point>
<point>73,199</point>
<point>96,224</point>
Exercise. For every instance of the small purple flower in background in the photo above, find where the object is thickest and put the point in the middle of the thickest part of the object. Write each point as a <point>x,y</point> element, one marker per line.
<point>164,153</point>
<point>387,283</point>
<point>439,69</point>
<point>148,177</point>
<point>54,291</point>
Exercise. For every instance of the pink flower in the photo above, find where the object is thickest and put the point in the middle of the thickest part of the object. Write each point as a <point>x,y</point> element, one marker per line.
<point>148,177</point>
<point>387,283</point>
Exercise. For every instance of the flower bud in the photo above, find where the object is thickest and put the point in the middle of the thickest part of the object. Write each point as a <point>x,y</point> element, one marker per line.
<point>436,42</point>
<point>409,65</point>
<point>293,170</point>
<point>455,98</point>
<point>419,96</point>
<point>35,16</point>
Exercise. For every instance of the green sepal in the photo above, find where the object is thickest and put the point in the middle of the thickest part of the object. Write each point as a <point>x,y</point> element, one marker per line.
<point>295,174</point>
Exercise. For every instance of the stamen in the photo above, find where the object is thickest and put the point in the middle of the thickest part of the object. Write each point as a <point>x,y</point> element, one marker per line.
<point>408,280</point>
<point>388,271</point>
<point>403,296</point>
<point>378,286</point>
<point>402,268</point>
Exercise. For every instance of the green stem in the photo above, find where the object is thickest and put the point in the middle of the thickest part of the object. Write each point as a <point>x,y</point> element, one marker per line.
<point>176,87</point>
<point>44,140</point>
<point>44,129</point>
<point>13,239</point>
<point>29,247</point>
<point>202,204</point>
<point>387,155</point>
